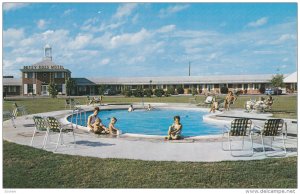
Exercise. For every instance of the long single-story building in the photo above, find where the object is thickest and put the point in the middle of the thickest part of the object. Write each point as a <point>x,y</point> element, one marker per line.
<point>37,77</point>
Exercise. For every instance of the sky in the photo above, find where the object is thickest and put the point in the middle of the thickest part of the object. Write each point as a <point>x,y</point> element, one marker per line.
<point>152,39</point>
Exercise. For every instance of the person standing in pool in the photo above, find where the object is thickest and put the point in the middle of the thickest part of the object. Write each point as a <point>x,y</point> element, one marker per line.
<point>92,118</point>
<point>130,109</point>
<point>175,129</point>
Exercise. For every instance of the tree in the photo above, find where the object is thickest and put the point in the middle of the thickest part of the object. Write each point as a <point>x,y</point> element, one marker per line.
<point>52,90</point>
<point>70,84</point>
<point>224,90</point>
<point>138,93</point>
<point>277,81</point>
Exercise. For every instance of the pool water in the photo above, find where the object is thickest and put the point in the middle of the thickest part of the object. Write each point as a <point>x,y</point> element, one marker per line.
<point>156,122</point>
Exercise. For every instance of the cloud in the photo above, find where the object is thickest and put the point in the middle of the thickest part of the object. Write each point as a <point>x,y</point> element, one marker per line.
<point>13,6</point>
<point>12,36</point>
<point>41,24</point>
<point>172,10</point>
<point>166,29</point>
<point>105,61</point>
<point>68,12</point>
<point>80,41</point>
<point>125,10</point>
<point>260,22</point>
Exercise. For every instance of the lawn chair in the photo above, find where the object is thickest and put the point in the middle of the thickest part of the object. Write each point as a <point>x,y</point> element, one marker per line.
<point>238,128</point>
<point>272,128</point>
<point>40,126</point>
<point>67,103</point>
<point>90,100</point>
<point>9,114</point>
<point>19,109</point>
<point>53,125</point>
<point>208,101</point>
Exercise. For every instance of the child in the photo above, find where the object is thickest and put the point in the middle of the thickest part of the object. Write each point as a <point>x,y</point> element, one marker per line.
<point>175,129</point>
<point>130,109</point>
<point>98,127</point>
<point>112,129</point>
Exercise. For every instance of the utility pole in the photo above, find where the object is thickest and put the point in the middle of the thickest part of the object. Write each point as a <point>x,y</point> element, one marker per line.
<point>189,68</point>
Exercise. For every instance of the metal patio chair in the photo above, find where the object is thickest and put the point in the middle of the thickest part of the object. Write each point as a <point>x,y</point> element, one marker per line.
<point>54,126</point>
<point>238,128</point>
<point>272,128</point>
<point>40,125</point>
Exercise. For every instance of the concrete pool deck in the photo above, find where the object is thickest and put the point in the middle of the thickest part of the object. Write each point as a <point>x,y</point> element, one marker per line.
<point>130,146</point>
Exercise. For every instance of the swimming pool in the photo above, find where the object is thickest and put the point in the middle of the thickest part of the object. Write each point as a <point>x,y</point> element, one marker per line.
<point>156,122</point>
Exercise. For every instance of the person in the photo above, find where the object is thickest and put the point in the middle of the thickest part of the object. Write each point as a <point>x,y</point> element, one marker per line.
<point>130,109</point>
<point>92,118</point>
<point>99,128</point>
<point>101,98</point>
<point>175,129</point>
<point>269,101</point>
<point>230,98</point>
<point>149,107</point>
<point>214,105</point>
<point>111,127</point>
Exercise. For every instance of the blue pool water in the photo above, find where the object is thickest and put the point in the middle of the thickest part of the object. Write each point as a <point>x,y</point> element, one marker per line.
<point>156,122</point>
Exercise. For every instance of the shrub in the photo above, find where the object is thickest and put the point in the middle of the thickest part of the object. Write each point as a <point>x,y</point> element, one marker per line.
<point>52,90</point>
<point>128,93</point>
<point>170,90</point>
<point>262,89</point>
<point>194,91</point>
<point>224,90</point>
<point>159,92</point>
<point>148,92</point>
<point>138,93</point>
<point>180,90</point>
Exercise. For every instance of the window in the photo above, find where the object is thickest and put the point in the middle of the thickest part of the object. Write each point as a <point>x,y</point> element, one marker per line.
<point>59,75</point>
<point>82,88</point>
<point>256,86</point>
<point>29,88</point>
<point>44,74</point>
<point>245,86</point>
<point>12,89</point>
<point>30,75</point>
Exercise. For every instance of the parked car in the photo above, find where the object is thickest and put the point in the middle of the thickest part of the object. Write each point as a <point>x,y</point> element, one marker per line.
<point>110,92</point>
<point>273,91</point>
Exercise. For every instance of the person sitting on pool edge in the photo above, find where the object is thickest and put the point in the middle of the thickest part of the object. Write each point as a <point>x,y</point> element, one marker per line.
<point>174,132</point>
<point>111,127</point>
<point>149,107</point>
<point>99,128</point>
<point>92,118</point>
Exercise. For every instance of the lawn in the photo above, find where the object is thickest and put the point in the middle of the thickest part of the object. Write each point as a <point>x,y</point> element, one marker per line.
<point>27,167</point>
<point>284,106</point>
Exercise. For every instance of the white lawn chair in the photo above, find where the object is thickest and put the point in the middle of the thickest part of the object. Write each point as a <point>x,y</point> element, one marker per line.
<point>40,126</point>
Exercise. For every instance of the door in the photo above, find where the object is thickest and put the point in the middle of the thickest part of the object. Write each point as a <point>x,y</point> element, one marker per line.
<point>45,90</point>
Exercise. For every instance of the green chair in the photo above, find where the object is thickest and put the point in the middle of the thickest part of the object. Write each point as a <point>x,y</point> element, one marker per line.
<point>54,126</point>
<point>272,128</point>
<point>40,126</point>
<point>239,128</point>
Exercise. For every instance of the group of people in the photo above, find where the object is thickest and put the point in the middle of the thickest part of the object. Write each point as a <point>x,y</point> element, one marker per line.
<point>95,124</point>
<point>131,109</point>
<point>260,105</point>
<point>229,99</point>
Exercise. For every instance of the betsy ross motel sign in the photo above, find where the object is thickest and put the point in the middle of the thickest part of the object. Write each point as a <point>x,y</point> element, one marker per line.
<point>44,67</point>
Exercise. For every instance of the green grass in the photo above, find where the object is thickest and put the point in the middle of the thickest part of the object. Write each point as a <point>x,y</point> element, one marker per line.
<point>27,167</point>
<point>283,107</point>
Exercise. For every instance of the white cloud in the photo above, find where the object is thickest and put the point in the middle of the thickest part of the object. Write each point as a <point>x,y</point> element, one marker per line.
<point>172,10</point>
<point>125,10</point>
<point>80,41</point>
<point>166,29</point>
<point>12,36</point>
<point>260,22</point>
<point>129,38</point>
<point>41,24</point>
<point>68,12</point>
<point>135,18</point>
<point>13,6</point>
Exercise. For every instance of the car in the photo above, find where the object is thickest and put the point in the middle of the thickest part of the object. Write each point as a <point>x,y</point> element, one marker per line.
<point>273,91</point>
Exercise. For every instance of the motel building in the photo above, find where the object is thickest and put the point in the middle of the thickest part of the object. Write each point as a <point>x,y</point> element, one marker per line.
<point>36,78</point>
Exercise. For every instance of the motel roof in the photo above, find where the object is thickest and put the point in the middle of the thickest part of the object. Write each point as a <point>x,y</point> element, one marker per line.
<point>215,79</point>
<point>12,81</point>
<point>291,78</point>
